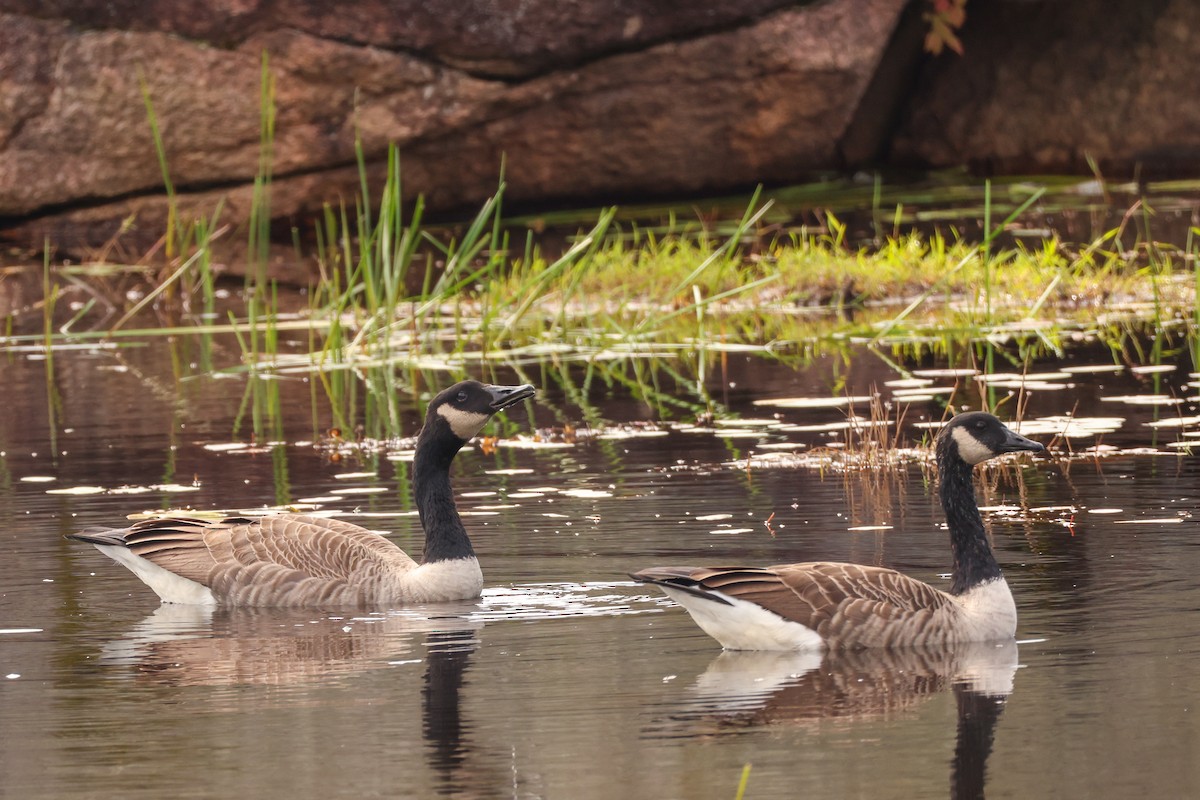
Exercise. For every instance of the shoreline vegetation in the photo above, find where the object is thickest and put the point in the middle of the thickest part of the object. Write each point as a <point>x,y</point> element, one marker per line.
<point>382,278</point>
<point>396,301</point>
<point>393,297</point>
<point>377,267</point>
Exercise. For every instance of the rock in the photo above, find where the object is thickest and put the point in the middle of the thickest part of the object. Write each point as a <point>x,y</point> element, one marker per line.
<point>1044,85</point>
<point>490,38</point>
<point>651,109</point>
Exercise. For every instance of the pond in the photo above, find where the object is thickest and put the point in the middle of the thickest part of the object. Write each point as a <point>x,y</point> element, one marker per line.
<point>567,680</point>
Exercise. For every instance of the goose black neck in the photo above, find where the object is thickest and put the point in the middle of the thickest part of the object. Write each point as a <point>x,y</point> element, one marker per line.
<point>445,536</point>
<point>974,561</point>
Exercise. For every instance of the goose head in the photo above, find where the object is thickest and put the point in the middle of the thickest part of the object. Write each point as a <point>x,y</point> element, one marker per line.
<point>977,436</point>
<point>462,410</point>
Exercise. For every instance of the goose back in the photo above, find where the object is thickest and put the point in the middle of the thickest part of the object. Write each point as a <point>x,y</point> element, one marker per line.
<point>286,560</point>
<point>838,605</point>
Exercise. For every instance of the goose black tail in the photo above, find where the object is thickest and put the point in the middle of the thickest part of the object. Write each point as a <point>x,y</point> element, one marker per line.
<point>99,536</point>
<point>677,578</point>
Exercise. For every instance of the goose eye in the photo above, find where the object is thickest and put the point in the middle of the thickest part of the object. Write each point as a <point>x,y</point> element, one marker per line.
<point>462,397</point>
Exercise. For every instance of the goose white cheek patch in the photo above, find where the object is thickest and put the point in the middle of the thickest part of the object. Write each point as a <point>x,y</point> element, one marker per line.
<point>970,449</point>
<point>465,424</point>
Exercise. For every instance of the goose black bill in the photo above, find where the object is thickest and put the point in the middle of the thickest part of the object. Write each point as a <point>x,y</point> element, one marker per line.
<point>1016,443</point>
<point>505,396</point>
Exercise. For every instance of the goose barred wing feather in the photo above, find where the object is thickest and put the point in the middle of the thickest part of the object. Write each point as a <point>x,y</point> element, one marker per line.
<point>279,561</point>
<point>848,605</point>
<point>851,605</point>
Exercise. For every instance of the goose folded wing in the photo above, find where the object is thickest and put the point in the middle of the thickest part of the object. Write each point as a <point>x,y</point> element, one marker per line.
<point>316,547</point>
<point>849,605</point>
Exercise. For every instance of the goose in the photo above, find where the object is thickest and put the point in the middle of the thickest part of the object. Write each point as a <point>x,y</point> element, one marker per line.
<point>824,605</point>
<point>294,560</point>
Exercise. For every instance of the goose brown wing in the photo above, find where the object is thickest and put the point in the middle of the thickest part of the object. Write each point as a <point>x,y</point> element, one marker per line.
<point>278,559</point>
<point>848,605</point>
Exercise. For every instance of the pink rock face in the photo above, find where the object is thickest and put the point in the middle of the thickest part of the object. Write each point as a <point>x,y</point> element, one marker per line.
<point>583,100</point>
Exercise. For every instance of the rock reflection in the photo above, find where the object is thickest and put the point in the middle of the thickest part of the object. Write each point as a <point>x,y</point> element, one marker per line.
<point>742,690</point>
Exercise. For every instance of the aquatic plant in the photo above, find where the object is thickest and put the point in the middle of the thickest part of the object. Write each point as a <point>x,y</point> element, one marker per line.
<point>743,781</point>
<point>639,296</point>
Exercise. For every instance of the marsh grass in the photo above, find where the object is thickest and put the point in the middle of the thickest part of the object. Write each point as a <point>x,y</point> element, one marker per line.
<point>396,304</point>
<point>391,288</point>
<point>647,312</point>
<point>1192,250</point>
<point>50,293</point>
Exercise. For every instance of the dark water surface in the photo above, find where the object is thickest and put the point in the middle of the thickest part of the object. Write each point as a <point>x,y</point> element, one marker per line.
<point>566,680</point>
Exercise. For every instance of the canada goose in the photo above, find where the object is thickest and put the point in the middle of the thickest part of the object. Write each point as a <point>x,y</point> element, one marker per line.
<point>820,604</point>
<point>296,560</point>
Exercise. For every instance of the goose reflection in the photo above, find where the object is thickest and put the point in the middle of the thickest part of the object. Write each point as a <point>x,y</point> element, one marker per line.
<point>192,646</point>
<point>741,690</point>
<point>183,645</point>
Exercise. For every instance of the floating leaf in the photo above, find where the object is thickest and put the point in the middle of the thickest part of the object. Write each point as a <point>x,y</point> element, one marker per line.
<point>1093,368</point>
<point>738,433</point>
<point>632,433</point>
<point>587,493</point>
<point>1028,385</point>
<point>1071,427</point>
<point>1143,399</point>
<point>1177,422</point>
<point>533,444</point>
<point>854,423</point>
<point>945,373</point>
<point>926,391</point>
<point>813,402</point>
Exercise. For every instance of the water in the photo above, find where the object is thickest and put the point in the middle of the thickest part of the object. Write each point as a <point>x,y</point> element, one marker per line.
<point>566,680</point>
